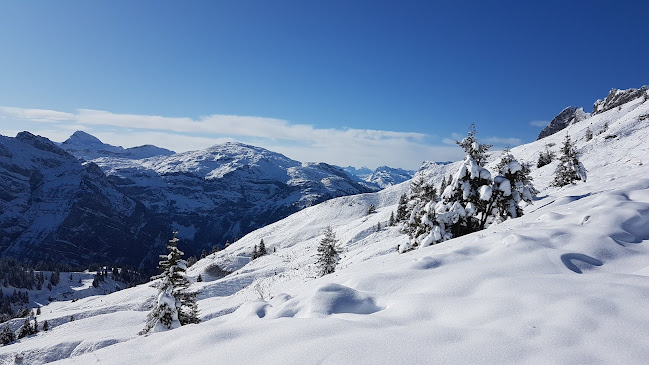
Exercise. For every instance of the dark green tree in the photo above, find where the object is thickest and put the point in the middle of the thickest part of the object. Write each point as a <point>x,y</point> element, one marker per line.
<point>328,253</point>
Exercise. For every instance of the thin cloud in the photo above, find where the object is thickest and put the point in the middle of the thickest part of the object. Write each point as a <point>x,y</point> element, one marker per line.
<point>503,141</point>
<point>35,115</point>
<point>539,123</point>
<point>301,142</point>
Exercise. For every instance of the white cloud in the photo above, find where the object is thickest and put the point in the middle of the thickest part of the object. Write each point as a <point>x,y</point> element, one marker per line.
<point>301,142</point>
<point>35,115</point>
<point>539,123</point>
<point>513,142</point>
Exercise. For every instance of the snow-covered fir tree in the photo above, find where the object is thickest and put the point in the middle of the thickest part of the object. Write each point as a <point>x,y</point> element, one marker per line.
<point>402,208</point>
<point>570,169</point>
<point>510,187</point>
<point>255,253</point>
<point>328,253</point>
<point>545,157</point>
<point>7,336</point>
<point>422,192</point>
<point>371,209</point>
<point>466,198</point>
<point>262,248</point>
<point>176,305</point>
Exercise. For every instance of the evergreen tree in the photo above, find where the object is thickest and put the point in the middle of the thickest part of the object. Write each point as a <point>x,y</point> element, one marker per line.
<point>262,248</point>
<point>25,329</point>
<point>378,226</point>
<point>470,189</point>
<point>7,336</point>
<point>473,149</point>
<point>402,208</point>
<point>35,327</point>
<point>199,278</point>
<point>328,253</point>
<point>513,185</point>
<point>55,278</point>
<point>38,311</point>
<point>46,326</point>
<point>569,169</point>
<point>545,157</point>
<point>371,209</point>
<point>176,305</point>
<point>391,221</point>
<point>254,254</point>
<point>589,134</point>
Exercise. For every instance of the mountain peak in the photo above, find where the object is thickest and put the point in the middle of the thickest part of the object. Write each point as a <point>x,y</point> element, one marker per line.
<point>81,137</point>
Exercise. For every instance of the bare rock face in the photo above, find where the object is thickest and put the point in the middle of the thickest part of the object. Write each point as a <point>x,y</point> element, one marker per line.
<point>559,122</point>
<point>617,97</point>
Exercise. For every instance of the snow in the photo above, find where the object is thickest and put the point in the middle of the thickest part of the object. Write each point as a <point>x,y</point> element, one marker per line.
<point>485,192</point>
<point>566,283</point>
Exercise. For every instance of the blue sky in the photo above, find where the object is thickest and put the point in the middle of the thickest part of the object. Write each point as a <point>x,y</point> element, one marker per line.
<point>344,82</point>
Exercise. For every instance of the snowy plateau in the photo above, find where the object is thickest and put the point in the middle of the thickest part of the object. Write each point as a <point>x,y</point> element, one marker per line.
<point>567,283</point>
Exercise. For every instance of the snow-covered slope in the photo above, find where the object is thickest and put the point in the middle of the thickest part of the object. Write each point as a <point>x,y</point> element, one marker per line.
<point>382,177</point>
<point>566,283</point>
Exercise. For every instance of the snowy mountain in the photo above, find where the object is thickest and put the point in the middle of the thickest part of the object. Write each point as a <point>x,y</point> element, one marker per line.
<point>382,177</point>
<point>223,192</point>
<point>113,208</point>
<point>565,283</point>
<point>89,147</point>
<point>572,114</point>
<point>55,208</point>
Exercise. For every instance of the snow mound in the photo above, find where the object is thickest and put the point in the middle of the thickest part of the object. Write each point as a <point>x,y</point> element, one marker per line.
<point>328,299</point>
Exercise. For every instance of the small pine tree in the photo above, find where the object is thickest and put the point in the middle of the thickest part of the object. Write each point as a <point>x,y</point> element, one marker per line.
<point>35,327</point>
<point>46,326</point>
<point>371,209</point>
<point>475,150</point>
<point>254,254</point>
<point>71,318</point>
<point>378,226</point>
<point>391,221</point>
<point>328,253</point>
<point>25,329</point>
<point>262,248</point>
<point>176,305</point>
<point>545,157</point>
<point>7,336</point>
<point>38,311</point>
<point>569,169</point>
<point>402,208</point>
<point>589,134</point>
<point>199,278</point>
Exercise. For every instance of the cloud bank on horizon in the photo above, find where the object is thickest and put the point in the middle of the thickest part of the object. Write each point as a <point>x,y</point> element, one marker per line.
<point>302,142</point>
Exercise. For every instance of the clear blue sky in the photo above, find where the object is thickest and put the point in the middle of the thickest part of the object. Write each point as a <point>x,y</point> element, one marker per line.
<point>420,67</point>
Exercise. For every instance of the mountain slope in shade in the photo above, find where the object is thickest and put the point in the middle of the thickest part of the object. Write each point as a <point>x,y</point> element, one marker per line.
<point>223,192</point>
<point>56,208</point>
<point>565,283</point>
